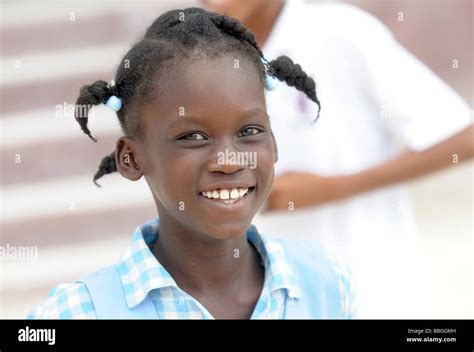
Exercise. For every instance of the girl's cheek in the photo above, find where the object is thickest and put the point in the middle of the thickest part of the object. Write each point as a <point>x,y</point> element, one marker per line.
<point>266,156</point>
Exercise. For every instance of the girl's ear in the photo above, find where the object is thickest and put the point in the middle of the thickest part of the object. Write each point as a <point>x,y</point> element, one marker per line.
<point>126,159</point>
<point>275,148</point>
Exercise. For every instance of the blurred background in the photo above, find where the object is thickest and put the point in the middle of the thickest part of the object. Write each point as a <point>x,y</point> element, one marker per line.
<point>49,49</point>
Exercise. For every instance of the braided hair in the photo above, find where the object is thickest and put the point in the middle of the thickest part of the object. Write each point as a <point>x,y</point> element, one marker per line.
<point>178,35</point>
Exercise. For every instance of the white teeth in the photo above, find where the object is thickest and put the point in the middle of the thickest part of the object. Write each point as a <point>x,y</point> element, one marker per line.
<point>225,194</point>
<point>243,192</point>
<point>234,194</point>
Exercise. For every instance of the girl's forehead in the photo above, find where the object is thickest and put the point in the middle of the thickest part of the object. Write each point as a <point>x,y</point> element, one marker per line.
<point>202,87</point>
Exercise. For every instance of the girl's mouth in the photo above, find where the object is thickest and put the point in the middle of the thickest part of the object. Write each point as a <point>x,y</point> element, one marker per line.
<point>227,196</point>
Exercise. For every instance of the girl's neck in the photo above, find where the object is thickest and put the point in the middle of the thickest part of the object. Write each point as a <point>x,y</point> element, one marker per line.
<point>199,263</point>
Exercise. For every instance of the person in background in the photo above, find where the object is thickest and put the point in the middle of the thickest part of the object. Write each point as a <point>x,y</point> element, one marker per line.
<point>385,118</point>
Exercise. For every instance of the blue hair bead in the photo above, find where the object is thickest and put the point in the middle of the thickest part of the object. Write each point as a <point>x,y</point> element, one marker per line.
<point>271,83</point>
<point>114,103</point>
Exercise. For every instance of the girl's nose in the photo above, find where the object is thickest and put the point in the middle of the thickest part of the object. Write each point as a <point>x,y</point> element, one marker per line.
<point>227,160</point>
<point>225,168</point>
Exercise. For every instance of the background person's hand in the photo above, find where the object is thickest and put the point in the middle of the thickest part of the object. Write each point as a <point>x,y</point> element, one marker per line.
<point>306,189</point>
<point>302,189</point>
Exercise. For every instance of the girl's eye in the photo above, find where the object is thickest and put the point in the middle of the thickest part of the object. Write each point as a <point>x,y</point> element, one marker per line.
<point>193,137</point>
<point>250,131</point>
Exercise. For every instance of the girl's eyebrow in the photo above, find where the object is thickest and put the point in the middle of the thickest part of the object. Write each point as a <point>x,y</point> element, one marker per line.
<point>185,120</point>
<point>198,120</point>
<point>258,112</point>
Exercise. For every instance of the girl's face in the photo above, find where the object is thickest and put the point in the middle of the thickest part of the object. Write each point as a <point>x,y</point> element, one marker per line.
<point>208,131</point>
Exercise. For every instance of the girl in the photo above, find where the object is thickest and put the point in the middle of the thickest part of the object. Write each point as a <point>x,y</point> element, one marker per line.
<point>190,100</point>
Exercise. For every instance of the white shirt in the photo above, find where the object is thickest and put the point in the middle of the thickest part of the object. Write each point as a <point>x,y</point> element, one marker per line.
<point>376,98</point>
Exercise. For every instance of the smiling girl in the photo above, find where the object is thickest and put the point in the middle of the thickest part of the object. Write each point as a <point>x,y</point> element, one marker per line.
<point>189,91</point>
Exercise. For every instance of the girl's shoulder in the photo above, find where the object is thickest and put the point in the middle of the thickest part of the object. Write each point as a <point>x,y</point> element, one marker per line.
<point>312,256</point>
<point>65,301</point>
<point>321,274</point>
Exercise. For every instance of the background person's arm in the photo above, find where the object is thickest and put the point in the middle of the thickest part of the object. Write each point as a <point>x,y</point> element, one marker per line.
<point>307,189</point>
<point>417,108</point>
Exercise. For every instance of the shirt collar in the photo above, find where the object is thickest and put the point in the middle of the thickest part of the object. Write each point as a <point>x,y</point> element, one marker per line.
<point>278,273</point>
<point>140,272</point>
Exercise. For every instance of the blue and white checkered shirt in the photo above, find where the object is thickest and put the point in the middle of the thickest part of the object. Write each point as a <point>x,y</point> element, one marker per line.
<point>141,274</point>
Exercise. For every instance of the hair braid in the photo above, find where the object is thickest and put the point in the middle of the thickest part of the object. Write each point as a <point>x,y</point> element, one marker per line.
<point>285,70</point>
<point>107,166</point>
<point>92,94</point>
